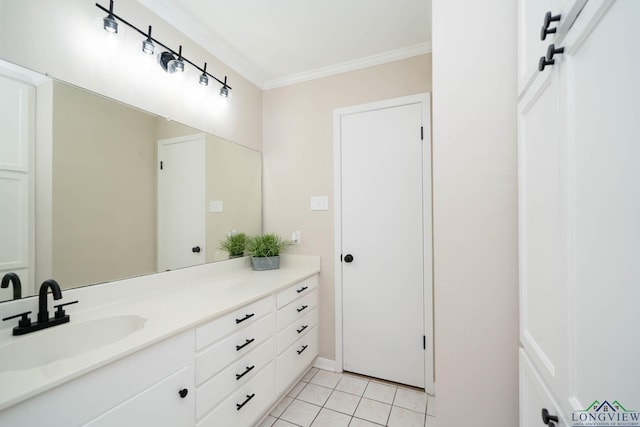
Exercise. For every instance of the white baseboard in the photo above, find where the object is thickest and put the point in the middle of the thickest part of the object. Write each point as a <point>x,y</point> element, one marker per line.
<point>325,364</point>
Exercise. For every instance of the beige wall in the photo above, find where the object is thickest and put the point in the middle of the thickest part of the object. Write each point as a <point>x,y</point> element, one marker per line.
<point>65,39</point>
<point>475,212</point>
<point>104,189</point>
<point>298,158</point>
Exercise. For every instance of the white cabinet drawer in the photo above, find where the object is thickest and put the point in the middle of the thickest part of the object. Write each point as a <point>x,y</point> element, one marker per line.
<point>212,360</point>
<point>236,375</point>
<point>246,405</point>
<point>297,329</point>
<point>296,291</point>
<point>297,309</point>
<point>296,359</point>
<point>229,323</point>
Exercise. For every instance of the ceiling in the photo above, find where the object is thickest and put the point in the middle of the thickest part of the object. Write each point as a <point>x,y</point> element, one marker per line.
<point>278,42</point>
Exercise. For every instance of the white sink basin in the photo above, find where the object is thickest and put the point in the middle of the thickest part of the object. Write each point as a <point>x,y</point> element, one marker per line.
<point>65,341</point>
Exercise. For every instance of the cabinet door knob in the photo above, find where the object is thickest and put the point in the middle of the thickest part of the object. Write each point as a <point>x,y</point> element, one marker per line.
<point>547,419</point>
<point>348,258</point>
<point>195,249</point>
<point>544,62</point>
<point>183,393</point>
<point>553,50</point>
<point>548,19</point>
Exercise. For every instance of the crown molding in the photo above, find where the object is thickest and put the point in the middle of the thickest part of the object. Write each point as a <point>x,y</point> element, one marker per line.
<point>344,67</point>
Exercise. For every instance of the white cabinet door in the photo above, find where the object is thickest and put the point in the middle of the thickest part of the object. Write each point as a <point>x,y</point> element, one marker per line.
<point>602,88</point>
<point>17,112</point>
<point>160,405</point>
<point>579,211</point>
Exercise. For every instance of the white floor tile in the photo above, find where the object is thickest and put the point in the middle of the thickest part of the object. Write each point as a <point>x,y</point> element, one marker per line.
<point>380,392</point>
<point>431,406</point>
<point>410,399</point>
<point>315,394</point>
<point>281,406</point>
<point>431,421</point>
<point>329,418</point>
<point>296,389</point>
<point>310,374</point>
<point>357,422</point>
<point>352,385</point>
<point>283,423</point>
<point>401,417</point>
<point>343,402</point>
<point>326,379</point>
<point>300,413</point>
<point>268,422</point>
<point>374,411</point>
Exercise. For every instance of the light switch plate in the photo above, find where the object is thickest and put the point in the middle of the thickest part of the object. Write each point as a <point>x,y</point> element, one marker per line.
<point>319,203</point>
<point>216,206</point>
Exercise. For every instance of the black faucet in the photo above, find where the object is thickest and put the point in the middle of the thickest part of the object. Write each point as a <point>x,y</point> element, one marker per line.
<point>15,280</point>
<point>25,326</point>
<point>43,314</point>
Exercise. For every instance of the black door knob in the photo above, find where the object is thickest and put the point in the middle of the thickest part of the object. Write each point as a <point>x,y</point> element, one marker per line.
<point>183,393</point>
<point>348,258</point>
<point>547,419</point>
<point>195,249</point>
<point>544,62</point>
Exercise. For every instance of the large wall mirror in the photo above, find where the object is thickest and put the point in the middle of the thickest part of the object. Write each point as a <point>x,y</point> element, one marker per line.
<point>92,183</point>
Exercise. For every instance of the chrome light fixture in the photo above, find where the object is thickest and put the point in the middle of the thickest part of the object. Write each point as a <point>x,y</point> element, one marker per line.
<point>224,90</point>
<point>109,22</point>
<point>204,79</point>
<point>167,59</point>
<point>147,45</point>
<point>170,64</point>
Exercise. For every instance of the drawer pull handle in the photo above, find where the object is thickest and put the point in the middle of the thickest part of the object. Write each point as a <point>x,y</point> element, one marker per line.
<point>246,343</point>
<point>248,316</point>
<point>302,289</point>
<point>304,347</point>
<point>249,397</point>
<point>183,393</point>
<point>302,329</point>
<point>302,308</point>
<point>249,369</point>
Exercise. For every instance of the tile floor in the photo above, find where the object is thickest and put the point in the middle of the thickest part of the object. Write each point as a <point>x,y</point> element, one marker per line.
<point>329,399</point>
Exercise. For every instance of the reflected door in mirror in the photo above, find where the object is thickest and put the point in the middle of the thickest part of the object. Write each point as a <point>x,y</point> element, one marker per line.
<point>181,202</point>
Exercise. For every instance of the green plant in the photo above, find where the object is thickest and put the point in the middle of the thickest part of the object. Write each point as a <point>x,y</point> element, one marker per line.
<point>266,245</point>
<point>234,244</point>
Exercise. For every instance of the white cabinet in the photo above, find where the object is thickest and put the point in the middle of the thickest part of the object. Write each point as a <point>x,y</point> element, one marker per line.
<point>142,389</point>
<point>234,364</point>
<point>297,332</point>
<point>579,206</point>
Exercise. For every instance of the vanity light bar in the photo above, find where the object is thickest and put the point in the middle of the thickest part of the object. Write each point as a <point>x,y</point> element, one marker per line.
<point>224,90</point>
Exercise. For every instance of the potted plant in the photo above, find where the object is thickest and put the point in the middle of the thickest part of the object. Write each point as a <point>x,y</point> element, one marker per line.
<point>265,251</point>
<point>234,244</point>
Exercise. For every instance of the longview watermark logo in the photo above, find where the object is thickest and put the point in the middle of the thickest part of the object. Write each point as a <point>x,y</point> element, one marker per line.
<point>605,414</point>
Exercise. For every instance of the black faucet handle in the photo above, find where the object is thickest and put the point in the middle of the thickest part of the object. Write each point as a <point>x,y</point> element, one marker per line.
<point>60,313</point>
<point>24,321</point>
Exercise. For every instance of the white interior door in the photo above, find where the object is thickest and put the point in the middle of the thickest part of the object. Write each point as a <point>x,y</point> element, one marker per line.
<point>181,202</point>
<point>17,100</point>
<point>385,229</point>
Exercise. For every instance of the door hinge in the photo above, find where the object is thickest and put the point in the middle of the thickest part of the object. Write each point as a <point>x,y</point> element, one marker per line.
<point>424,342</point>
<point>421,133</point>
<point>161,165</point>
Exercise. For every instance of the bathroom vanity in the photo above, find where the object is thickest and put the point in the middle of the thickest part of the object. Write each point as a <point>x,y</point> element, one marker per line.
<point>213,345</point>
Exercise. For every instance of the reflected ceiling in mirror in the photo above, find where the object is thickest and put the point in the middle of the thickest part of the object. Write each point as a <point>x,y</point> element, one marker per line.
<point>94,203</point>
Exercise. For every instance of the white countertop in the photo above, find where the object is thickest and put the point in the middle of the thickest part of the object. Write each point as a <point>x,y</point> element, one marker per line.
<point>170,302</point>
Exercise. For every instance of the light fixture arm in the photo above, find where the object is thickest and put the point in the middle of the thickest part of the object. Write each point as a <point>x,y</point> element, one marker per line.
<point>148,36</point>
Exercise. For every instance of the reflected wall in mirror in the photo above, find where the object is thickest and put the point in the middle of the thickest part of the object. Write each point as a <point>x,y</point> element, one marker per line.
<point>93,192</point>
